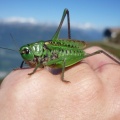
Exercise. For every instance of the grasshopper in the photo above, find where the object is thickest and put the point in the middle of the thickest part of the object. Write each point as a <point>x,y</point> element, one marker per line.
<point>56,53</point>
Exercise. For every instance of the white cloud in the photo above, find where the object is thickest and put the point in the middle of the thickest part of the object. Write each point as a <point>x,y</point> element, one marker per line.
<point>84,26</point>
<point>19,19</point>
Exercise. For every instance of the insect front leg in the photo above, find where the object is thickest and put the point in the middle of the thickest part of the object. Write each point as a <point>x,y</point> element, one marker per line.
<point>21,65</point>
<point>37,66</point>
<point>105,53</point>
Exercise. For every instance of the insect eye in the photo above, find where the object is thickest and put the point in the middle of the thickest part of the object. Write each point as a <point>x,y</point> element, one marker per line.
<point>27,51</point>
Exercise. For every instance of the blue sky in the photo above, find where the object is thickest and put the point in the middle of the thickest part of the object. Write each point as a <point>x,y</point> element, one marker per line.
<point>97,13</point>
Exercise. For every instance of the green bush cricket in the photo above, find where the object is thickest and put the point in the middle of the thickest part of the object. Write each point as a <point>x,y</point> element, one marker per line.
<point>56,53</point>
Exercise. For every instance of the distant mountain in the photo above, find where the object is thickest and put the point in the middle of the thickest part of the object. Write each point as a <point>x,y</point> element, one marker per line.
<point>24,33</point>
<point>27,32</point>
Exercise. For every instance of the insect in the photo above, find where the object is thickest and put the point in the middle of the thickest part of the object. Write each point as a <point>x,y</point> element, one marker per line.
<point>56,53</point>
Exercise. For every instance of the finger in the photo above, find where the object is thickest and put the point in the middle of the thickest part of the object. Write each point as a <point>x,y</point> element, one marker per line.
<point>104,67</point>
<point>21,75</point>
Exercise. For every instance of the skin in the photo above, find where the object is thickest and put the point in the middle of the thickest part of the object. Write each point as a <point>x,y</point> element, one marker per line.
<point>92,94</point>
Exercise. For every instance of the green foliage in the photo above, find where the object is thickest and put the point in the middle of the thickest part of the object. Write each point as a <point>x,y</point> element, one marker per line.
<point>112,50</point>
<point>117,39</point>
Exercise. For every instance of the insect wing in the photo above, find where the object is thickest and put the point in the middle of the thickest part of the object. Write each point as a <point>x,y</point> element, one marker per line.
<point>66,44</point>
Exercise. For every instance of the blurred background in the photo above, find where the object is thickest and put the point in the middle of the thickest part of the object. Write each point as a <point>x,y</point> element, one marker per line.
<point>96,22</point>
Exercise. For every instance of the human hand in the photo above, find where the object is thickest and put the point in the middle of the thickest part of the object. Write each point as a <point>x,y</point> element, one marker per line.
<point>92,94</point>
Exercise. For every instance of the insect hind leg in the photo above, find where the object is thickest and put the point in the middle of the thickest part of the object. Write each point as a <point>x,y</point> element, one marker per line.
<point>105,53</point>
<point>65,12</point>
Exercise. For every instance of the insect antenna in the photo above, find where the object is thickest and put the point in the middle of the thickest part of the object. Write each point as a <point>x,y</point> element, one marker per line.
<point>14,41</point>
<point>8,49</point>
